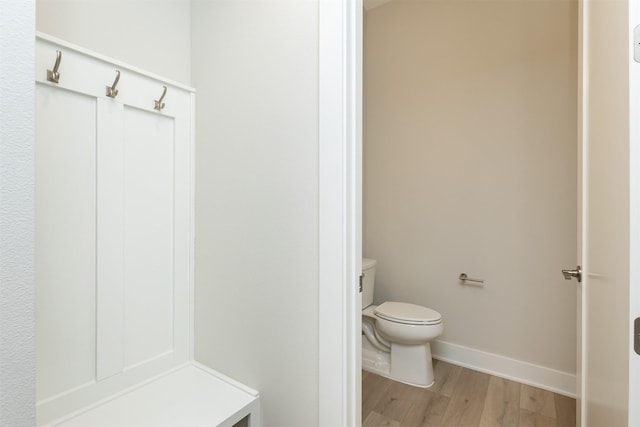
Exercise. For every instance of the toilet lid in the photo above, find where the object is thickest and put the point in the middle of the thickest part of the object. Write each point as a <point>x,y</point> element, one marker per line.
<point>411,314</point>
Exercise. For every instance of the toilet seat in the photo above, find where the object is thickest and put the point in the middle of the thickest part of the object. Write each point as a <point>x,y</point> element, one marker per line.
<point>409,314</point>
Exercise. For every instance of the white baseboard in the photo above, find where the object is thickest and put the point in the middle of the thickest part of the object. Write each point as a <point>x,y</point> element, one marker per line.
<point>538,376</point>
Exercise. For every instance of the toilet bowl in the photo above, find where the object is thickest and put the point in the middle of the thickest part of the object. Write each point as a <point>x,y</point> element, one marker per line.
<point>396,336</point>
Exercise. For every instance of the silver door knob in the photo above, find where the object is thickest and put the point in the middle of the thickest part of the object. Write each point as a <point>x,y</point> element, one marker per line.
<point>577,273</point>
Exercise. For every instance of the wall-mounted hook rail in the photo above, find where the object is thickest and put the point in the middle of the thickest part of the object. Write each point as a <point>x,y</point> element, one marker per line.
<point>159,105</point>
<point>112,92</point>
<point>464,278</point>
<point>54,75</point>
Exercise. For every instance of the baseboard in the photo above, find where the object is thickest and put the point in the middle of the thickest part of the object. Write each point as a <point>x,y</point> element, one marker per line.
<point>505,367</point>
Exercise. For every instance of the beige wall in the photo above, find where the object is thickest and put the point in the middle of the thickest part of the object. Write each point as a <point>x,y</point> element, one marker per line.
<point>150,34</point>
<point>255,67</point>
<point>470,156</point>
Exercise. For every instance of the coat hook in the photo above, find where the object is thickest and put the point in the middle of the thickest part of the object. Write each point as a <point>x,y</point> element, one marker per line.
<point>112,92</point>
<point>54,75</point>
<point>159,104</point>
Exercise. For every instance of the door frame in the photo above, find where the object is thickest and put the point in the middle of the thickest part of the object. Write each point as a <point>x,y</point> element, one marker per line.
<point>340,183</point>
<point>340,144</point>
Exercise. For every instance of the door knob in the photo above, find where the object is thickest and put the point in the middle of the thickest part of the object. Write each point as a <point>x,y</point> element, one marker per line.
<point>577,273</point>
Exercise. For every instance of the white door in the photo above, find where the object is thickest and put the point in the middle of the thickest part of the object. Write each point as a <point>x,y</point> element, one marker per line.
<point>608,292</point>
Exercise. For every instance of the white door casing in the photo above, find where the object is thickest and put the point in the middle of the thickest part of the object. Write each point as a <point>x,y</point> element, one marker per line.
<point>340,206</point>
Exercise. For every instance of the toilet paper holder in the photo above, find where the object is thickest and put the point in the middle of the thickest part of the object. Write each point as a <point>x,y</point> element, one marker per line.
<point>464,278</point>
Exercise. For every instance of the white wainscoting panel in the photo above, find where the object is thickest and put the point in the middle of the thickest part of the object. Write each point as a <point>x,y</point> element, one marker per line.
<point>149,235</point>
<point>114,252</point>
<point>114,228</point>
<point>65,240</point>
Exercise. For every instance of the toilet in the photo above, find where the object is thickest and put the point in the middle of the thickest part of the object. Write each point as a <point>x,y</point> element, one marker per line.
<point>396,336</point>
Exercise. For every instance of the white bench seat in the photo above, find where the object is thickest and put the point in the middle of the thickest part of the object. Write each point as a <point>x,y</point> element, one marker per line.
<point>191,395</point>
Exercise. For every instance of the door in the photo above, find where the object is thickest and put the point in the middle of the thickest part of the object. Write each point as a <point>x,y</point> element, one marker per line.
<point>607,292</point>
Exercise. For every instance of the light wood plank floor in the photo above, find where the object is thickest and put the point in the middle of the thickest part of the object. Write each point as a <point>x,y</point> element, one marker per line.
<point>462,397</point>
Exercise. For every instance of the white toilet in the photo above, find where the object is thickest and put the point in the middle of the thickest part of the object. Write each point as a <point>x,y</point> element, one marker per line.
<point>396,336</point>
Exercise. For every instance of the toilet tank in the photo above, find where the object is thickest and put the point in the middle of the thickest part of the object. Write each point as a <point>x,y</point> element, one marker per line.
<point>368,281</point>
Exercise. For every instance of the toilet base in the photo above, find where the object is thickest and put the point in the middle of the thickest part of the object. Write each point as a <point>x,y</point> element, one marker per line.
<point>406,364</point>
<point>412,364</point>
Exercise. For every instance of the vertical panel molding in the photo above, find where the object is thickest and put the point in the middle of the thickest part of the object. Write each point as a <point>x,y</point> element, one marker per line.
<point>110,240</point>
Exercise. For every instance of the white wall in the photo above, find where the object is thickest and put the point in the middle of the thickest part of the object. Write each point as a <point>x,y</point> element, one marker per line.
<point>255,66</point>
<point>17,344</point>
<point>471,167</point>
<point>150,34</point>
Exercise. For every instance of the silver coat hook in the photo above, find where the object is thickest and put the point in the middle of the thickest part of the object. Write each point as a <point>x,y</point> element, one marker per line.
<point>112,92</point>
<point>159,105</point>
<point>54,75</point>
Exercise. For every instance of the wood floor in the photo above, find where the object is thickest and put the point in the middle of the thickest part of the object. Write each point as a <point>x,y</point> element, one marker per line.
<point>462,397</point>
